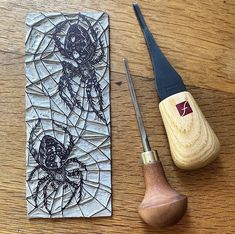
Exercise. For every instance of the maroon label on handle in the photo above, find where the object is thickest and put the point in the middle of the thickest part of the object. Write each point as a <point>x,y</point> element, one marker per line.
<point>184,108</point>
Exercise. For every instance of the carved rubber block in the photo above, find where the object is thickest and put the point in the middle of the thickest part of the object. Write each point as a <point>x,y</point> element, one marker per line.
<point>68,154</point>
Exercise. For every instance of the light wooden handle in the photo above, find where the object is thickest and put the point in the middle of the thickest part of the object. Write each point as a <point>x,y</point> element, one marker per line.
<point>193,143</point>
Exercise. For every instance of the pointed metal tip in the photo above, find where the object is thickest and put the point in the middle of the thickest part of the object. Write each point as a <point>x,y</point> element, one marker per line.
<point>126,64</point>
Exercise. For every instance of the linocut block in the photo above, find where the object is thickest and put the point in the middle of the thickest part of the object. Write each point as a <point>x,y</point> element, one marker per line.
<point>68,154</point>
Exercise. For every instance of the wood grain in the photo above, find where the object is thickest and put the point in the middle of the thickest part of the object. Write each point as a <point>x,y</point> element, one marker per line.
<point>198,39</point>
<point>192,141</point>
<point>162,206</point>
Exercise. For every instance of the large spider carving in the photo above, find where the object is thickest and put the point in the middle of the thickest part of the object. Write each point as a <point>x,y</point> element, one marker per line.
<point>81,51</point>
<point>59,169</point>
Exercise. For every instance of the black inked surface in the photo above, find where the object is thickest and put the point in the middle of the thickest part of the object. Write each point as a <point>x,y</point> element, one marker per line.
<point>81,50</point>
<point>68,115</point>
<point>53,159</point>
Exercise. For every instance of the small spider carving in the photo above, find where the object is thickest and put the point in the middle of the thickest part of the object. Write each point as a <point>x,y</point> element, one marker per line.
<point>81,52</point>
<point>57,167</point>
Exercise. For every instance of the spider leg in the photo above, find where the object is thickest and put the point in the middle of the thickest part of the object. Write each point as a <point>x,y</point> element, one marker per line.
<point>99,93</point>
<point>62,86</point>
<point>31,141</point>
<point>96,41</point>
<point>40,182</point>
<point>74,98</point>
<point>101,55</point>
<point>75,160</point>
<point>69,71</point>
<point>71,140</point>
<point>80,185</point>
<point>91,101</point>
<point>32,172</point>
<point>45,196</point>
<point>60,27</point>
<point>76,187</point>
<point>53,185</point>
<point>75,173</point>
<point>70,146</point>
<point>45,202</point>
<point>58,43</point>
<point>91,28</point>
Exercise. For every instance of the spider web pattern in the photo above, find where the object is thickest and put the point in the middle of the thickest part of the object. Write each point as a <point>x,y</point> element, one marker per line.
<point>43,70</point>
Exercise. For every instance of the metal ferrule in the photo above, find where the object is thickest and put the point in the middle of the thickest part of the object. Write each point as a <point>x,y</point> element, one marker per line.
<point>149,157</point>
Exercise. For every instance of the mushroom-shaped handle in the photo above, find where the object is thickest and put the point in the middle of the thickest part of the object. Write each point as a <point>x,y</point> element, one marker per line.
<point>162,205</point>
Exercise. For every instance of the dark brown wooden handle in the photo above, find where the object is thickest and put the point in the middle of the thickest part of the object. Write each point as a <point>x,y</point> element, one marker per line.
<point>162,205</point>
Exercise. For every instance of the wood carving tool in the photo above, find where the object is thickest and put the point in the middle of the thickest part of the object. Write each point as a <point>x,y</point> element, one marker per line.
<point>162,205</point>
<point>192,141</point>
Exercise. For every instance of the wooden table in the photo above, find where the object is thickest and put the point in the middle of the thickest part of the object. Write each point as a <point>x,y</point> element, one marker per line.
<point>198,38</point>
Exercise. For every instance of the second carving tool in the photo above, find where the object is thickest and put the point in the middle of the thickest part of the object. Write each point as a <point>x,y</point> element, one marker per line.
<point>162,205</point>
<point>192,141</point>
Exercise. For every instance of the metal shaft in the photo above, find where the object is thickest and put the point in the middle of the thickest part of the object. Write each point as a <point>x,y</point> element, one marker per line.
<point>143,134</point>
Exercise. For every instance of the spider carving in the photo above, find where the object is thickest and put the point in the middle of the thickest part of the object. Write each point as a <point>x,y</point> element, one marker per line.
<point>81,51</point>
<point>57,167</point>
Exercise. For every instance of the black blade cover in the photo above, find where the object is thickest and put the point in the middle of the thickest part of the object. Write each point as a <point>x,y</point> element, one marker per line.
<point>168,81</point>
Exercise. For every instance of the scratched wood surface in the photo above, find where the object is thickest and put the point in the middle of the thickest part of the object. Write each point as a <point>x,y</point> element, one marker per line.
<point>198,38</point>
